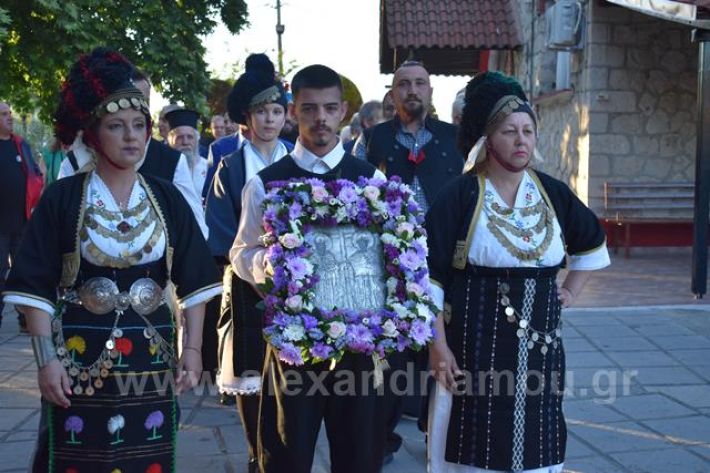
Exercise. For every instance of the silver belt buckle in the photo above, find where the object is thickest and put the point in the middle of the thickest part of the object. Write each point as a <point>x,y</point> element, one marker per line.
<point>101,296</point>
<point>98,295</point>
<point>146,296</point>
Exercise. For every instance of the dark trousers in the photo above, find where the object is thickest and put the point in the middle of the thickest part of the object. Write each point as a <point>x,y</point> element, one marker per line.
<point>296,400</point>
<point>404,382</point>
<point>9,245</point>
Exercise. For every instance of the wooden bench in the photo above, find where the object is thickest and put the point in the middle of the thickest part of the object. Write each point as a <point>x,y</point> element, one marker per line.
<point>650,206</point>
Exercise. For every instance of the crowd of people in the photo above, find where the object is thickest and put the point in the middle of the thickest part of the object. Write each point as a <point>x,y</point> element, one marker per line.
<point>142,268</point>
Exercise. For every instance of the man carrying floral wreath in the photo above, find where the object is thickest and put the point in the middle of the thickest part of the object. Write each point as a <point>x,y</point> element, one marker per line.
<point>298,397</point>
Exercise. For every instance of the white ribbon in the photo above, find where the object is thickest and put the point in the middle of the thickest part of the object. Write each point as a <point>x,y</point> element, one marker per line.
<point>476,150</point>
<point>380,366</point>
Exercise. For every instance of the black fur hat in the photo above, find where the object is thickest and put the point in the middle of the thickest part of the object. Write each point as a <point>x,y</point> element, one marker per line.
<point>483,93</point>
<point>98,83</point>
<point>258,85</point>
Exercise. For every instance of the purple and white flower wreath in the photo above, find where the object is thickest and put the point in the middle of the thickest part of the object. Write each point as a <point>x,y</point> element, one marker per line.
<point>303,333</point>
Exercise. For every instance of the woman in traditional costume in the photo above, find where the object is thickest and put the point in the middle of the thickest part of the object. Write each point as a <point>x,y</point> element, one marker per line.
<point>258,100</point>
<point>102,334</point>
<point>498,236</point>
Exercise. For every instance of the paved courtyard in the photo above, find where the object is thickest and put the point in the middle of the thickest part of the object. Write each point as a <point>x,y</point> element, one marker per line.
<point>638,379</point>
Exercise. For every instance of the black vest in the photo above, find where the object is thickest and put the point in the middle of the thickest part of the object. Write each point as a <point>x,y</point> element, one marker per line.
<point>442,160</point>
<point>160,161</point>
<point>349,168</point>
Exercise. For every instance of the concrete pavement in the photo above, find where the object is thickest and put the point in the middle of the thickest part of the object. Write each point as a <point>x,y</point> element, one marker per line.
<point>638,395</point>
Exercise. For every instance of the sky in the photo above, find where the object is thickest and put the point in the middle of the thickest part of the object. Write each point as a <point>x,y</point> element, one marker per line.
<point>342,34</point>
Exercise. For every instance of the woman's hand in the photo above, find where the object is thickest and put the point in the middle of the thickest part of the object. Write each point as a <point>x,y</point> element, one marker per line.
<point>54,384</point>
<point>189,370</point>
<point>565,296</point>
<point>443,365</point>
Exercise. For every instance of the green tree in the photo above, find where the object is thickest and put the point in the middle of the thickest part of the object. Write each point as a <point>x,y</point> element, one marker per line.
<point>352,96</point>
<point>40,39</point>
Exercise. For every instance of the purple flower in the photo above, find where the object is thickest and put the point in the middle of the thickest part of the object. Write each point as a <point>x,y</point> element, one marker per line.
<point>347,195</point>
<point>309,322</point>
<point>290,354</point>
<point>391,252</point>
<point>280,277</point>
<point>293,288</point>
<point>394,207</point>
<point>316,334</point>
<point>74,424</point>
<point>363,219</point>
<point>359,332</point>
<point>297,267</point>
<point>294,211</point>
<point>420,250</point>
<point>410,260</point>
<point>270,214</point>
<point>420,332</point>
<point>321,350</point>
<point>154,420</point>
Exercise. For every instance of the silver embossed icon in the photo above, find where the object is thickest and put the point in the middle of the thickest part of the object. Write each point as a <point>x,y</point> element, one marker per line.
<point>350,265</point>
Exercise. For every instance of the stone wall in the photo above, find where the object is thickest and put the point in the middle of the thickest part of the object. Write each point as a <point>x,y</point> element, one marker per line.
<point>643,99</point>
<point>563,124</point>
<point>632,114</point>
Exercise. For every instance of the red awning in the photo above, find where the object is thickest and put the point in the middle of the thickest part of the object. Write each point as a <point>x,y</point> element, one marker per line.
<point>448,35</point>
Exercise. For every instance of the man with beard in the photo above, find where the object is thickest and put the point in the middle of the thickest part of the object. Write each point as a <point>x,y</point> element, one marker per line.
<point>296,400</point>
<point>422,151</point>
<point>184,137</point>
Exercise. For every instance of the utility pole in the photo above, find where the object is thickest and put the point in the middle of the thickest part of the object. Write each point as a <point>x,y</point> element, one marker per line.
<point>279,31</point>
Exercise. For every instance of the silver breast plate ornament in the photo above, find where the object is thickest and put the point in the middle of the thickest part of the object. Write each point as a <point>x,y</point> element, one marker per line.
<point>101,296</point>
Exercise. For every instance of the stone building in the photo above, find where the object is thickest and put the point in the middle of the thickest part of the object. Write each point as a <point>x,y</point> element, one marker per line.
<point>628,113</point>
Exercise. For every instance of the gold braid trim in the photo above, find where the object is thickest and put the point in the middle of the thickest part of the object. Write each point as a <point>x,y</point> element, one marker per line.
<point>169,250</point>
<point>71,261</point>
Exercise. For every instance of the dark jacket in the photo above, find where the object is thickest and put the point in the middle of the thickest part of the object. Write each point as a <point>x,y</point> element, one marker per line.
<point>442,161</point>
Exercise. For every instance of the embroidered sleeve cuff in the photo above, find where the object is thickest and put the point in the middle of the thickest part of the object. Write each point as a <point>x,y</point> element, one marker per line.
<point>590,261</point>
<point>29,301</point>
<point>437,294</point>
<point>198,297</point>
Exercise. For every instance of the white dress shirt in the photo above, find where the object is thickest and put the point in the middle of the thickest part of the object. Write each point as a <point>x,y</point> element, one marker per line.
<point>247,253</point>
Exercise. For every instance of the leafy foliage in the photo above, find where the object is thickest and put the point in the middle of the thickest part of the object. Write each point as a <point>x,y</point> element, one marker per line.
<point>40,39</point>
<point>352,96</point>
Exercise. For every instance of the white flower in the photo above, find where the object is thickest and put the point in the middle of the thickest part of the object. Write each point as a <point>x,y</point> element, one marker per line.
<point>322,210</point>
<point>390,329</point>
<point>405,228</point>
<point>381,208</point>
<point>415,289</point>
<point>389,239</point>
<point>294,303</point>
<point>341,214</point>
<point>401,311</point>
<point>116,423</point>
<point>371,192</point>
<point>290,240</point>
<point>391,284</point>
<point>294,332</point>
<point>424,312</point>
<point>336,329</point>
<point>319,193</point>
